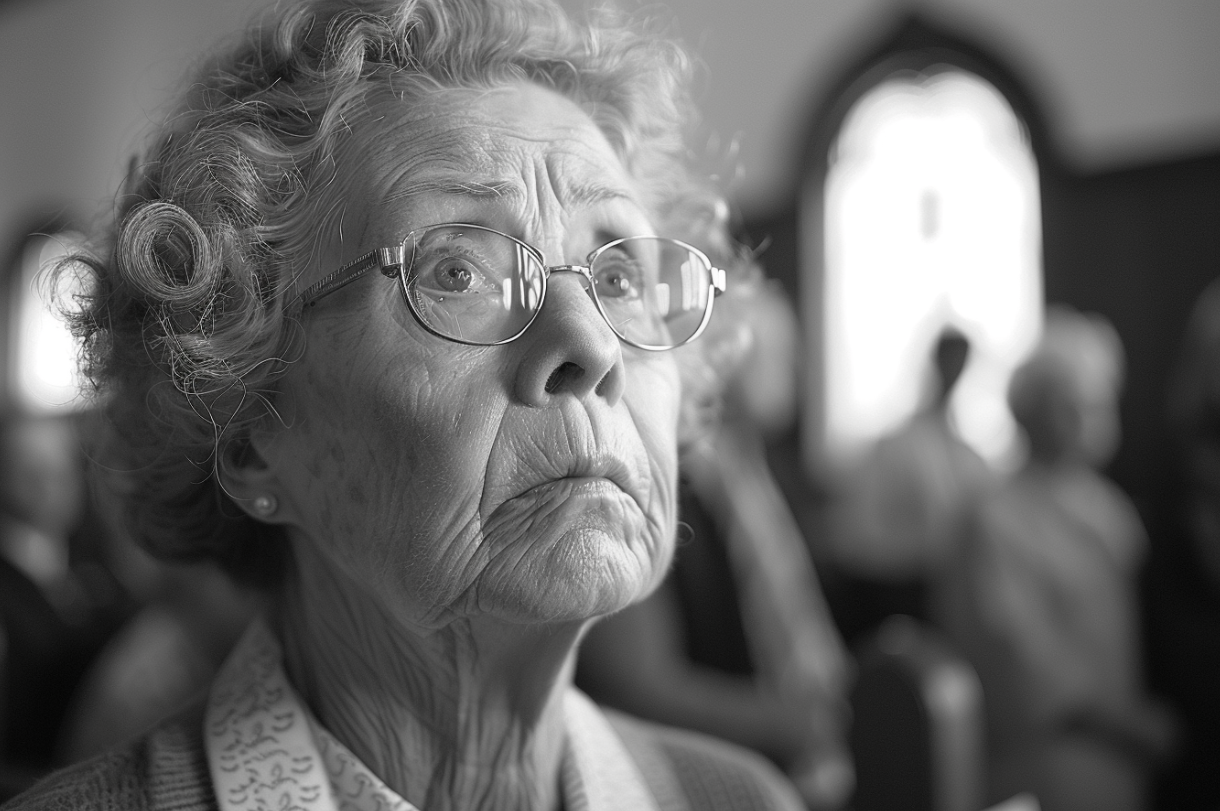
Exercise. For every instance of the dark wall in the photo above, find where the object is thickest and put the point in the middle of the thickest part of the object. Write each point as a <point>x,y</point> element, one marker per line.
<point>1139,246</point>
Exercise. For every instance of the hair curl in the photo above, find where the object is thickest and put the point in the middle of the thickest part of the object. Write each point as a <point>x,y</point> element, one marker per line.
<point>192,319</point>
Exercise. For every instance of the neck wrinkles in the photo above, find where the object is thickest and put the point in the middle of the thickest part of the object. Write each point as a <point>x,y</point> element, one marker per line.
<point>466,716</point>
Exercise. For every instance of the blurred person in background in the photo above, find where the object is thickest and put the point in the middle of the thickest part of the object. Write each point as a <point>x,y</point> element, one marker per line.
<point>738,641</point>
<point>1042,599</point>
<point>59,597</point>
<point>161,659</point>
<point>898,516</point>
<point>385,325</point>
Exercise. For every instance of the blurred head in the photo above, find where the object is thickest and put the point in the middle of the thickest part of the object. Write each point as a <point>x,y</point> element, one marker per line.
<point>487,478</point>
<point>762,386</point>
<point>1065,396</point>
<point>949,357</point>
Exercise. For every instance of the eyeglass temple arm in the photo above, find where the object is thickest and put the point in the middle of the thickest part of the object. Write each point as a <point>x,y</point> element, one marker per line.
<point>388,260</point>
<point>719,280</point>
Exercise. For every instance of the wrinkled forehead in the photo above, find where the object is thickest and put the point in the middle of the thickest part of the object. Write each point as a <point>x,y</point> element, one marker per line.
<point>514,142</point>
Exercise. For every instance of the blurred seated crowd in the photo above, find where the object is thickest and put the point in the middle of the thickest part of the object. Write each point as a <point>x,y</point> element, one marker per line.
<point>1031,578</point>
<point>97,639</point>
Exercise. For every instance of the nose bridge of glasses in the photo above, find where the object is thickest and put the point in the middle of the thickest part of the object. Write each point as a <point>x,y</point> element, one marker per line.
<point>585,275</point>
<point>581,270</point>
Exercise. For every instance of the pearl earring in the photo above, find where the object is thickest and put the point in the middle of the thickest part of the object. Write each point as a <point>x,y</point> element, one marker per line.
<point>264,505</point>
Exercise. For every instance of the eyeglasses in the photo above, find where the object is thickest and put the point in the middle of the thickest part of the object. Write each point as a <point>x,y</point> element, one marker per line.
<point>477,286</point>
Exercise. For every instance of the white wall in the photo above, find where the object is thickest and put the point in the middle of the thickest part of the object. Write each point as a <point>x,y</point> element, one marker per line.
<point>79,80</point>
<point>1123,80</point>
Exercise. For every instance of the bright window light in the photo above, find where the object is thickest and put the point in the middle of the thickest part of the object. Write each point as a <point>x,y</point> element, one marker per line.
<point>931,218</point>
<point>45,373</point>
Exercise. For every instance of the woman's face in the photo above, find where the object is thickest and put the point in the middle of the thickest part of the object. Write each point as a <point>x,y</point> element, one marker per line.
<point>533,481</point>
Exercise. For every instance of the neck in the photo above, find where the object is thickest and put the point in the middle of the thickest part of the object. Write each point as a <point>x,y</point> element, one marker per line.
<point>467,716</point>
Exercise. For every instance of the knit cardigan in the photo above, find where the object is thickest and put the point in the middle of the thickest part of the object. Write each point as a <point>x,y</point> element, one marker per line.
<point>167,770</point>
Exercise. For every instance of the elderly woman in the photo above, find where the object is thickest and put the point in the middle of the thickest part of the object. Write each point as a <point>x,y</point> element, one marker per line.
<point>383,330</point>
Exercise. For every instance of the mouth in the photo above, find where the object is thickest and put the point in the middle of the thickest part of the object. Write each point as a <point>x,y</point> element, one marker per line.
<point>586,475</point>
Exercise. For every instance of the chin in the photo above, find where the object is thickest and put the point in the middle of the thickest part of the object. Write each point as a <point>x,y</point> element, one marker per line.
<point>585,574</point>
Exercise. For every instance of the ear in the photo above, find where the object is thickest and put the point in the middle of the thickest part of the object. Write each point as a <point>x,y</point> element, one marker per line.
<point>252,481</point>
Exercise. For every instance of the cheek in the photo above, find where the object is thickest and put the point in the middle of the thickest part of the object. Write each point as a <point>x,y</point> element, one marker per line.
<point>386,474</point>
<point>655,404</point>
<point>654,400</point>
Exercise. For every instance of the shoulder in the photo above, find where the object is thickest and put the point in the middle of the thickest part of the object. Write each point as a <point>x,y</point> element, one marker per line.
<point>691,770</point>
<point>164,770</point>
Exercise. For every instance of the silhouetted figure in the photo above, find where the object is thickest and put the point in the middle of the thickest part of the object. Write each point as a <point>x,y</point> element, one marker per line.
<point>901,512</point>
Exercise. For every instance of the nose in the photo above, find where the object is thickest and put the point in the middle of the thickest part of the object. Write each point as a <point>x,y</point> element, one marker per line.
<point>570,350</point>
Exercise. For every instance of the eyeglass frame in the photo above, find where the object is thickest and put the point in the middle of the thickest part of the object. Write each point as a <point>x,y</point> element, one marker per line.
<point>392,262</point>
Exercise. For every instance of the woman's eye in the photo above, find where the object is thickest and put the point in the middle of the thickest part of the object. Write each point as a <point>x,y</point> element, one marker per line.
<point>454,275</point>
<point>618,277</point>
<point>453,272</point>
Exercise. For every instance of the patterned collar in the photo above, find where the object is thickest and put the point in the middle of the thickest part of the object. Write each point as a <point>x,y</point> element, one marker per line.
<point>267,752</point>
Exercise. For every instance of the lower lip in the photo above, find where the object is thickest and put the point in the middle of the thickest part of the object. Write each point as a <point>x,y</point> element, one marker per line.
<point>572,501</point>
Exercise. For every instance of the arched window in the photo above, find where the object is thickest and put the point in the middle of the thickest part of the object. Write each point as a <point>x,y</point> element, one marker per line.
<point>41,358</point>
<point>930,217</point>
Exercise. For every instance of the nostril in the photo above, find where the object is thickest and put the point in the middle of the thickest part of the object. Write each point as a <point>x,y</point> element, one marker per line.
<point>566,372</point>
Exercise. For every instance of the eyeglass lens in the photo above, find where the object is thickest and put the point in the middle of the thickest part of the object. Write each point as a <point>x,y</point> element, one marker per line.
<point>480,286</point>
